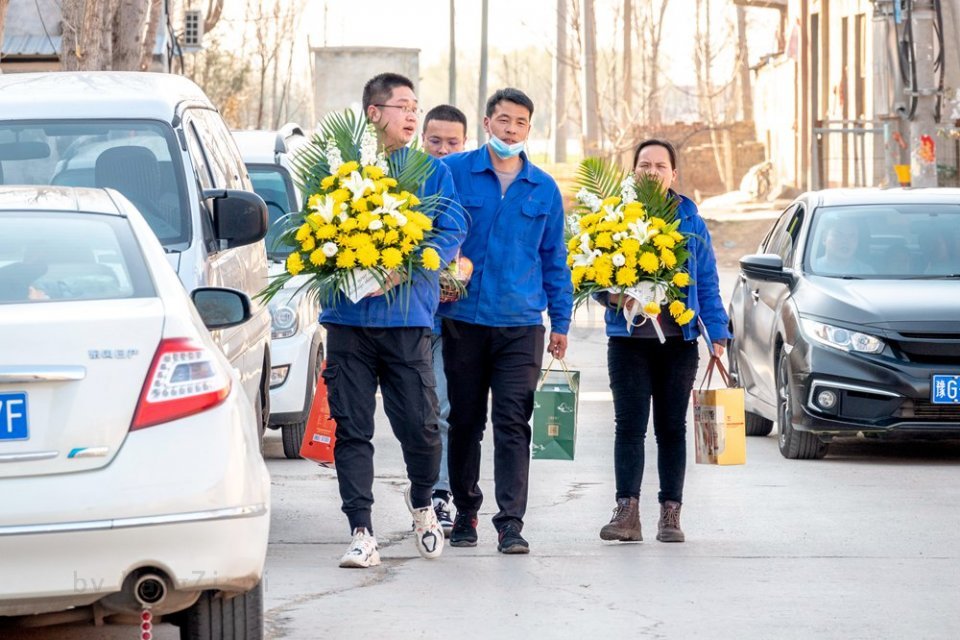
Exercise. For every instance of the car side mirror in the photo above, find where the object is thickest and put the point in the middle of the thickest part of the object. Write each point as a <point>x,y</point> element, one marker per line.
<point>239,217</point>
<point>221,308</point>
<point>766,267</point>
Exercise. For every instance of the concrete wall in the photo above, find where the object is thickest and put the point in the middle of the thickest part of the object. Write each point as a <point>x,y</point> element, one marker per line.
<point>339,73</point>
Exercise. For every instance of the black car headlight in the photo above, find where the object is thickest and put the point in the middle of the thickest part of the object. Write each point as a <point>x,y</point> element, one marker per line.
<point>841,338</point>
<point>284,321</point>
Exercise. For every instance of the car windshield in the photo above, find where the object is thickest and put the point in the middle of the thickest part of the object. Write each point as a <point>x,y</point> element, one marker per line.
<point>888,241</point>
<point>270,183</point>
<point>137,158</point>
<point>69,256</point>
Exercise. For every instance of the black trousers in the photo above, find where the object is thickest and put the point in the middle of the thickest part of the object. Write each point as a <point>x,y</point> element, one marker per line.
<point>504,361</point>
<point>642,370</point>
<point>400,361</point>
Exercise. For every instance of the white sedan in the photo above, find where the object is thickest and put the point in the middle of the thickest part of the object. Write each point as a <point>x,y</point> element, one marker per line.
<point>130,467</point>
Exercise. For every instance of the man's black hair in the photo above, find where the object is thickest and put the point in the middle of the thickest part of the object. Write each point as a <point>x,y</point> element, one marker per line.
<point>653,142</point>
<point>380,87</point>
<point>446,113</point>
<point>510,95</point>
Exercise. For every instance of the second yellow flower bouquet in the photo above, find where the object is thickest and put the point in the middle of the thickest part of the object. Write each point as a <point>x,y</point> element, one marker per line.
<point>624,239</point>
<point>363,227</point>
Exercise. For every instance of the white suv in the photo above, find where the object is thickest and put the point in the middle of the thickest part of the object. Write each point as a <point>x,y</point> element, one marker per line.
<point>158,140</point>
<point>297,342</point>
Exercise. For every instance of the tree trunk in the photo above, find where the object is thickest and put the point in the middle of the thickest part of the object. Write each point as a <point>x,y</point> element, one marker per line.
<point>591,142</point>
<point>560,86</point>
<point>746,94</point>
<point>156,15</point>
<point>452,73</point>
<point>482,88</point>
<point>129,35</point>
<point>3,15</point>
<point>628,60</point>
<point>212,17</point>
<point>654,111</point>
<point>82,29</point>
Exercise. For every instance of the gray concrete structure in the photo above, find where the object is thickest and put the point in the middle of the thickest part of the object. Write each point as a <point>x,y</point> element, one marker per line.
<point>339,73</point>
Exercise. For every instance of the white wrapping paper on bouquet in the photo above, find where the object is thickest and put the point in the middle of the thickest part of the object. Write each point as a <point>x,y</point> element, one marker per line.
<point>644,292</point>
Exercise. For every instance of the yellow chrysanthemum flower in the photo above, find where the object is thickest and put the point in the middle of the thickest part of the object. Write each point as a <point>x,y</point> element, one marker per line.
<point>626,276</point>
<point>375,199</point>
<point>391,258</point>
<point>326,231</point>
<point>303,232</point>
<point>577,275</point>
<point>387,183</point>
<point>664,241</point>
<point>668,258</point>
<point>368,256</point>
<point>347,259</point>
<point>685,317</point>
<point>377,236</point>
<point>573,244</point>
<point>391,238</point>
<point>359,205</point>
<point>348,225</point>
<point>430,259</point>
<point>314,201</point>
<point>328,182</point>
<point>648,262</point>
<point>651,308</point>
<point>676,308</point>
<point>630,246</point>
<point>348,167</point>
<point>420,220</point>
<point>413,232</point>
<point>658,223</point>
<point>294,263</point>
<point>411,199</point>
<point>633,211</point>
<point>677,236</point>
<point>604,241</point>
<point>308,243</point>
<point>681,279</point>
<point>317,257</point>
<point>340,196</point>
<point>612,201</point>
<point>373,172</point>
<point>603,271</point>
<point>407,246</point>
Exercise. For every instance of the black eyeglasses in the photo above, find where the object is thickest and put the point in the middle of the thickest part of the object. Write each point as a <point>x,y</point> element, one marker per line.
<point>406,109</point>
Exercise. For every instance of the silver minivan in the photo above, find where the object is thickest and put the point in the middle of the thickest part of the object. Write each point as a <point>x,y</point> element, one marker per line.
<point>158,140</point>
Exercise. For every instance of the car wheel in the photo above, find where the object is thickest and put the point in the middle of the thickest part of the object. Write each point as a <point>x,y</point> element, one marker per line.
<point>796,445</point>
<point>216,617</point>
<point>293,433</point>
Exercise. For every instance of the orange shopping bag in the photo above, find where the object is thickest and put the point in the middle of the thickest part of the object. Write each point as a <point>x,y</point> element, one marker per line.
<point>321,432</point>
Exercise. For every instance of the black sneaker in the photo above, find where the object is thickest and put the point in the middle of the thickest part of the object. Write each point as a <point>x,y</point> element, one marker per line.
<point>464,533</point>
<point>511,541</point>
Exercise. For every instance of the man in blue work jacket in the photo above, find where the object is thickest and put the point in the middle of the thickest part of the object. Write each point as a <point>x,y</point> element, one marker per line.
<point>493,338</point>
<point>387,342</point>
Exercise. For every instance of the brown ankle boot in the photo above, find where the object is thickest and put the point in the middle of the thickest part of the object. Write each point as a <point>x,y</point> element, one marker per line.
<point>668,529</point>
<point>625,523</point>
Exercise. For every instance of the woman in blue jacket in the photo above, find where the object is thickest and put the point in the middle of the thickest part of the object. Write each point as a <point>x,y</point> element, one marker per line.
<point>642,369</point>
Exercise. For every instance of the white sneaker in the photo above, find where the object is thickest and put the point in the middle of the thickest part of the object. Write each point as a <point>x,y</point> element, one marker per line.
<point>362,552</point>
<point>427,534</point>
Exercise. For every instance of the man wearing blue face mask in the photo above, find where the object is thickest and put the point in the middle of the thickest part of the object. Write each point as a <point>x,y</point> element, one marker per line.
<point>493,338</point>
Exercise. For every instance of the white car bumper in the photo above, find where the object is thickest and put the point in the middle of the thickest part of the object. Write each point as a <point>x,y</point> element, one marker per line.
<point>287,400</point>
<point>190,498</point>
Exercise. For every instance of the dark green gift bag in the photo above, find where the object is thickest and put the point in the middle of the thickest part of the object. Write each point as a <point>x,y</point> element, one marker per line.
<point>555,413</point>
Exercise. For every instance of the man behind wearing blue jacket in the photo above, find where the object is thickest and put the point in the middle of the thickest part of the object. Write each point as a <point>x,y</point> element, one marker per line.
<point>493,338</point>
<point>387,342</point>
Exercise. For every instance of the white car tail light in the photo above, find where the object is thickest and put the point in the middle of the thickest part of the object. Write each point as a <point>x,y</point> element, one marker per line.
<point>184,379</point>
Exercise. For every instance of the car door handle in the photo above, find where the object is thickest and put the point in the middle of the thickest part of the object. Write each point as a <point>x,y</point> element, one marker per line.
<point>743,278</point>
<point>755,294</point>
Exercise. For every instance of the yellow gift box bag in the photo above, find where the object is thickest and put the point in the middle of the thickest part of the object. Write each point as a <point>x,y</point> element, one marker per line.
<point>718,420</point>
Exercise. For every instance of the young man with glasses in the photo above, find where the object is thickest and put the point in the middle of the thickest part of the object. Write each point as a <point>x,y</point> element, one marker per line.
<point>493,338</point>
<point>386,343</point>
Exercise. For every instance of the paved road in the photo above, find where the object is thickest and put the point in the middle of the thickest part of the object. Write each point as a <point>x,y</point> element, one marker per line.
<point>864,544</point>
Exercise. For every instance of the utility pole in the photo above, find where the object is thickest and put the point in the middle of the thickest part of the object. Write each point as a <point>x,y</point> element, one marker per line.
<point>452,91</point>
<point>560,86</point>
<point>482,93</point>
<point>923,149</point>
<point>591,110</point>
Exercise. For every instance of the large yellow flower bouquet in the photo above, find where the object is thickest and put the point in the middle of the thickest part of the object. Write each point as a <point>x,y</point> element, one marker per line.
<point>623,239</point>
<point>363,228</point>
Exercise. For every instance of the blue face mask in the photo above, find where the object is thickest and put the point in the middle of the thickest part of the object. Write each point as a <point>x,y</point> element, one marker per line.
<point>504,150</point>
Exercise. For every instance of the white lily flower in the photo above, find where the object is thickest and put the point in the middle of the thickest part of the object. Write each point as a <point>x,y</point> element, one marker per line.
<point>400,218</point>
<point>357,185</point>
<point>585,243</point>
<point>324,208</point>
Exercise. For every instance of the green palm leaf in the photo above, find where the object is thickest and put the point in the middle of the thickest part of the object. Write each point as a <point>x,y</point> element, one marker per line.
<point>599,177</point>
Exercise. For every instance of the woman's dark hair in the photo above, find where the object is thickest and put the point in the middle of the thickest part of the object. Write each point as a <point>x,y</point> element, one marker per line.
<point>654,142</point>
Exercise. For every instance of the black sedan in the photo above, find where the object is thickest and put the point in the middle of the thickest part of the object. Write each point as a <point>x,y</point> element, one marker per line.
<point>847,320</point>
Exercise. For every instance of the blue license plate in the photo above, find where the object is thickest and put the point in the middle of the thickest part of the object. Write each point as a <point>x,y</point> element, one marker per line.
<point>13,416</point>
<point>945,389</point>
